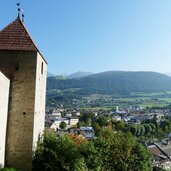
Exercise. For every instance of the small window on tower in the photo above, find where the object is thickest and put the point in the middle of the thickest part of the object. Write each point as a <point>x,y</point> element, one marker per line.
<point>42,68</point>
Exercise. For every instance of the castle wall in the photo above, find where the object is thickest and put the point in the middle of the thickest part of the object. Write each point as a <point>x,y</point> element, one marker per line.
<point>26,105</point>
<point>4,96</point>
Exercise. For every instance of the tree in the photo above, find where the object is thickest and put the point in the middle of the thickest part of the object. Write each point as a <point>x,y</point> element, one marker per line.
<point>87,115</point>
<point>153,126</point>
<point>165,125</point>
<point>62,125</point>
<point>91,156</point>
<point>117,125</point>
<point>109,151</point>
<point>79,124</point>
<point>57,153</point>
<point>141,159</point>
<point>118,151</point>
<point>103,121</point>
<point>63,114</point>
<point>138,130</point>
<point>148,128</point>
<point>142,130</point>
<point>133,129</point>
<point>96,127</point>
<point>88,122</point>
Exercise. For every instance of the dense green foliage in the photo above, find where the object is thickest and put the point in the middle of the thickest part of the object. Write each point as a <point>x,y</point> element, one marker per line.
<point>9,169</point>
<point>109,151</point>
<point>150,129</point>
<point>62,125</point>
<point>142,129</point>
<point>114,82</point>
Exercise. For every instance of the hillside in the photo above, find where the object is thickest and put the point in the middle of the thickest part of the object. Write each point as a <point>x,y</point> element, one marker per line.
<point>79,74</point>
<point>113,82</point>
<point>50,74</point>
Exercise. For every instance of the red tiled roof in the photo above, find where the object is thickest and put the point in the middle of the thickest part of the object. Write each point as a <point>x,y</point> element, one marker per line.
<point>16,37</point>
<point>155,151</point>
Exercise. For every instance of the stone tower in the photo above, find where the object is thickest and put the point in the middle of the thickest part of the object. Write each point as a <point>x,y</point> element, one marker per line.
<point>22,95</point>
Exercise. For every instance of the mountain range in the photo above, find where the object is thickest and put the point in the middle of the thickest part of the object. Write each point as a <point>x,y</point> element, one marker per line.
<point>112,82</point>
<point>78,74</point>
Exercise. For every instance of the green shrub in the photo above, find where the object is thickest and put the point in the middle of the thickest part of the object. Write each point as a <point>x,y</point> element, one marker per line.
<point>9,169</point>
<point>109,151</point>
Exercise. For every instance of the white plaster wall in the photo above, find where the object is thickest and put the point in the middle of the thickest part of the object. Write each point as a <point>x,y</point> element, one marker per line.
<point>40,98</point>
<point>4,97</point>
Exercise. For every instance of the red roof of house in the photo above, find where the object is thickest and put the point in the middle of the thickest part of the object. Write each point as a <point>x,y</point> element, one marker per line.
<point>16,37</point>
<point>155,150</point>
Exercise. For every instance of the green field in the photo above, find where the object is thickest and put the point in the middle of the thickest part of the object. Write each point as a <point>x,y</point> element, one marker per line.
<point>108,102</point>
<point>141,94</point>
<point>132,99</point>
<point>150,105</point>
<point>166,99</point>
<point>145,100</point>
<point>99,108</point>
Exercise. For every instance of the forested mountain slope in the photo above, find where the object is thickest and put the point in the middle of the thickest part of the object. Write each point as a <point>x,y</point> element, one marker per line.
<point>113,82</point>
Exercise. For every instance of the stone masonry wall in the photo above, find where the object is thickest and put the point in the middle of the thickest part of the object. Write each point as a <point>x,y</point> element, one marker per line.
<point>26,105</point>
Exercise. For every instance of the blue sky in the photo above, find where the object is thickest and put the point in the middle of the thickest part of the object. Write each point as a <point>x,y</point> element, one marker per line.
<point>98,35</point>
